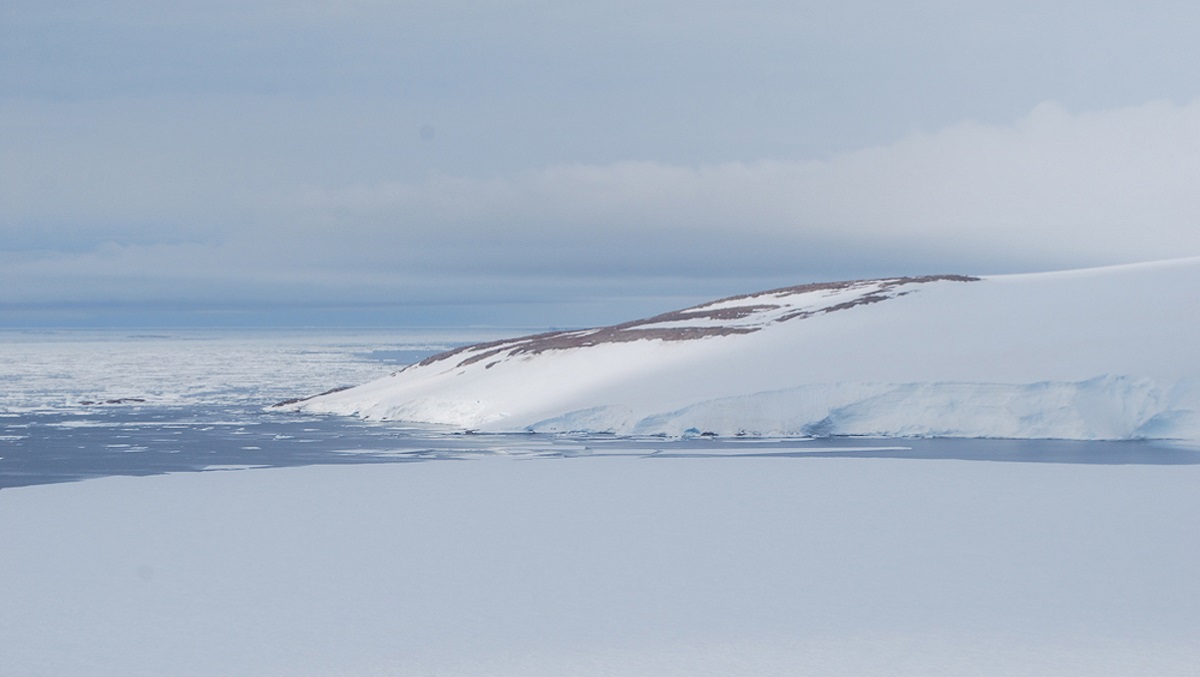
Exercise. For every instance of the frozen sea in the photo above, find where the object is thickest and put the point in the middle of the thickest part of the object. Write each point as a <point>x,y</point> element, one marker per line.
<point>85,404</point>
<point>154,519</point>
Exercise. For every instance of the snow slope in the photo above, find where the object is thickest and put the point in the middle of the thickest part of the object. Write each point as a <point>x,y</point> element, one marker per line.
<point>1105,353</point>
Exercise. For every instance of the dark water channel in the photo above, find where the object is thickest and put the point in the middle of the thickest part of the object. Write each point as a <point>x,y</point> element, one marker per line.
<point>43,448</point>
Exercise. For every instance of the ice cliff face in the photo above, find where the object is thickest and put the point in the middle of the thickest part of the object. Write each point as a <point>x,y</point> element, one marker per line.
<point>1107,353</point>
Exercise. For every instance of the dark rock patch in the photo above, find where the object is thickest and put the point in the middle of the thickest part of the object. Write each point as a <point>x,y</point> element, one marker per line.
<point>297,400</point>
<point>119,400</point>
<point>638,330</point>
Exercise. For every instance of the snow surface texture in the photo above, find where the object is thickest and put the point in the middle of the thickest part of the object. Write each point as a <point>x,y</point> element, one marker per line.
<point>608,567</point>
<point>1105,353</point>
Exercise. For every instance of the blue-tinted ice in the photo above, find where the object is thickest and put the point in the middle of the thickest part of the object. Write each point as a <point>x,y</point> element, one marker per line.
<point>193,401</point>
<point>47,447</point>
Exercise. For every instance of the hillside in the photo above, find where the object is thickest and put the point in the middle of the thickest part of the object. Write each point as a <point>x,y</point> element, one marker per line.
<point>1105,353</point>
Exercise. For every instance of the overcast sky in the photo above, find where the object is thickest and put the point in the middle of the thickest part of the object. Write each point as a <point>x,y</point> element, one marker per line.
<point>535,163</point>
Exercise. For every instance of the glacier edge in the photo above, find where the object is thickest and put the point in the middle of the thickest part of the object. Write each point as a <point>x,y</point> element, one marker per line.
<point>1106,407</point>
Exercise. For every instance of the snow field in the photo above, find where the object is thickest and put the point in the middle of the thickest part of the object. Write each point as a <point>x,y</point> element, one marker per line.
<point>608,566</point>
<point>1107,353</point>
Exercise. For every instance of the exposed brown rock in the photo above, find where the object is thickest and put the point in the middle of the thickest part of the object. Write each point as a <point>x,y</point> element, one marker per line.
<point>637,330</point>
<point>296,400</point>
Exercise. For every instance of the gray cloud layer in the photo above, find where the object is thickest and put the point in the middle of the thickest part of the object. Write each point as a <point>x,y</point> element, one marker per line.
<point>1053,189</point>
<point>340,153</point>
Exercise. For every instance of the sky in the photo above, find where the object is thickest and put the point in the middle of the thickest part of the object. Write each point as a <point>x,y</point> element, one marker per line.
<point>538,163</point>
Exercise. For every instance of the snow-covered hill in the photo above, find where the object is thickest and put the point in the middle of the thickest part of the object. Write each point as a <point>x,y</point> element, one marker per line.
<point>1105,353</point>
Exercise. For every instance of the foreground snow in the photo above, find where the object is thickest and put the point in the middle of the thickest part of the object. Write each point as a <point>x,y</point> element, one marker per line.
<point>1107,353</point>
<point>610,566</point>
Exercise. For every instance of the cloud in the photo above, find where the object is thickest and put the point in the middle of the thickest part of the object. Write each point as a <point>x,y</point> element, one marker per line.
<point>215,225</point>
<point>1053,188</point>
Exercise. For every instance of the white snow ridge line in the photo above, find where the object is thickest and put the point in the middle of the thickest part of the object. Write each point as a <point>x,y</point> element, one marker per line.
<point>1105,353</point>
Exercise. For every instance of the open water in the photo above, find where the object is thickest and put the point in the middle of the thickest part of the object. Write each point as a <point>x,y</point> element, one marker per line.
<point>82,404</point>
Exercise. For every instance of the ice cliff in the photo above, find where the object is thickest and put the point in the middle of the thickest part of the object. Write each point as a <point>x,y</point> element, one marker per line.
<point>1104,353</point>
